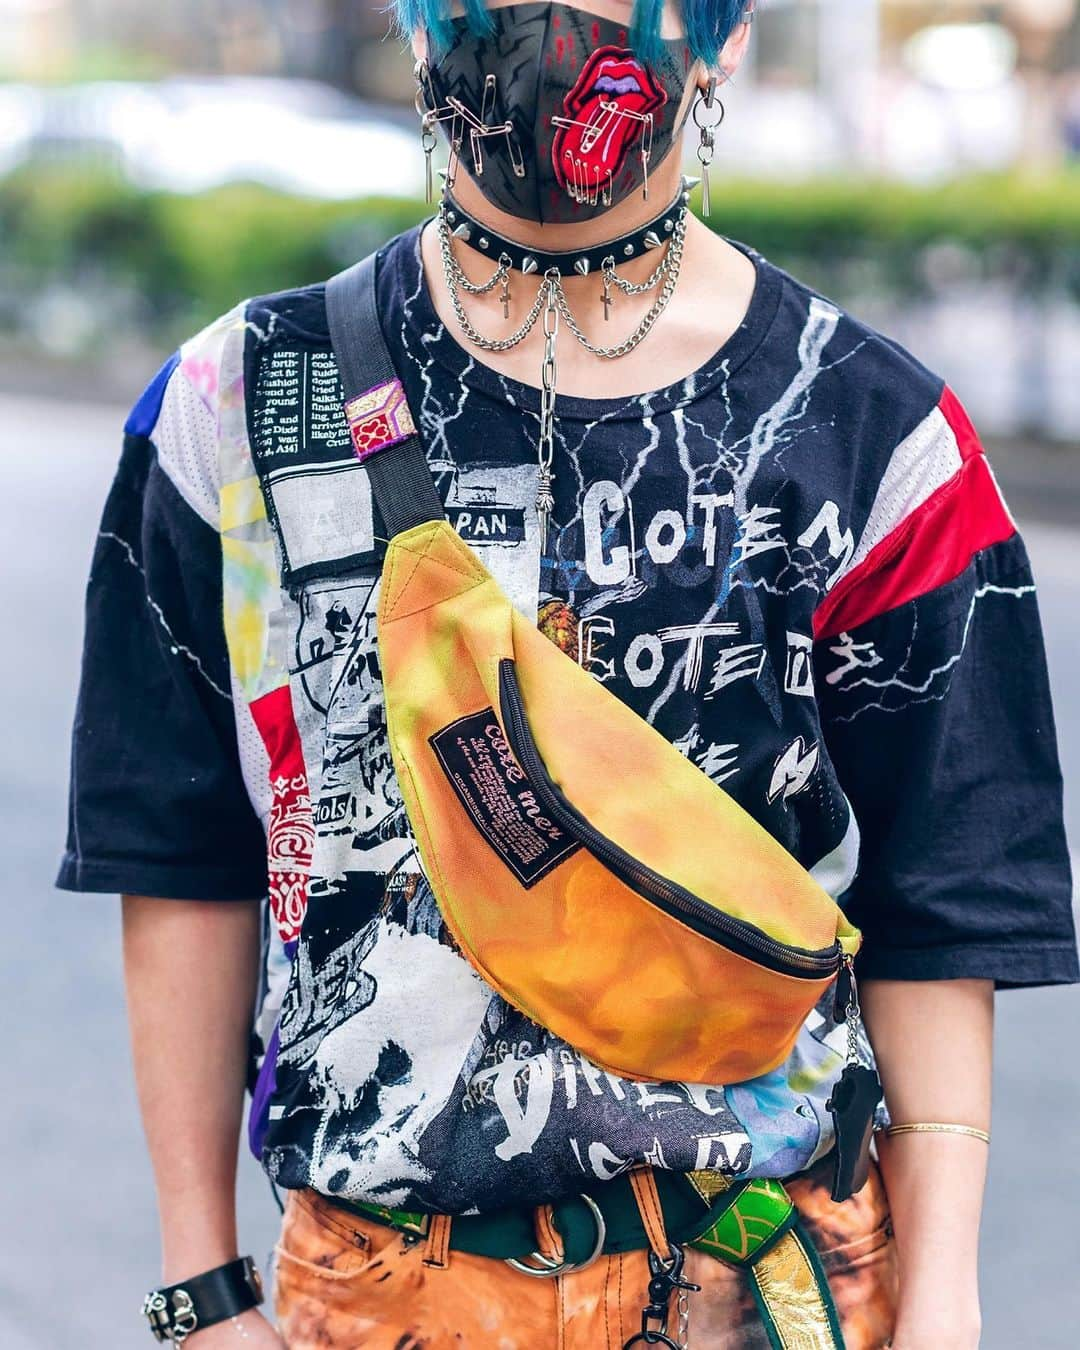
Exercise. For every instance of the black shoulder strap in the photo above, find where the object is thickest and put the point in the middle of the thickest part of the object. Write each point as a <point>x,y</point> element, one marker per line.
<point>401,481</point>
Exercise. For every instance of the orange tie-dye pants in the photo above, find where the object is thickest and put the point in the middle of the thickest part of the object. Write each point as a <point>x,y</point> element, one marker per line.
<point>344,1282</point>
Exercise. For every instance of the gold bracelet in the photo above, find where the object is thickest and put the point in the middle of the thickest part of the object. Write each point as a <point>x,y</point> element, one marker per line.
<point>938,1127</point>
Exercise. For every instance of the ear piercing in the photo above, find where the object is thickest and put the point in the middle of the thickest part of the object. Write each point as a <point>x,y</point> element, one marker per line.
<point>708,114</point>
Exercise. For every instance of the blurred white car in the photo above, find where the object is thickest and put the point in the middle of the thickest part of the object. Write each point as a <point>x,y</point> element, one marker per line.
<point>190,134</point>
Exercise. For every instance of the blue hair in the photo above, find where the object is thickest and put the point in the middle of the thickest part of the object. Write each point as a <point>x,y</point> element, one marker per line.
<point>434,17</point>
<point>708,23</point>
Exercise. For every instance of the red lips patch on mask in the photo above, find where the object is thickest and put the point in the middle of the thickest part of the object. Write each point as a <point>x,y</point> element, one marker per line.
<point>606,106</point>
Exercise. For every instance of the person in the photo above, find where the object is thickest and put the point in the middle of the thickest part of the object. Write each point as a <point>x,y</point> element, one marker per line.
<point>754,520</point>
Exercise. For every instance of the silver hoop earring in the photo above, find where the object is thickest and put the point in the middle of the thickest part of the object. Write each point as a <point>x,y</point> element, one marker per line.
<point>708,114</point>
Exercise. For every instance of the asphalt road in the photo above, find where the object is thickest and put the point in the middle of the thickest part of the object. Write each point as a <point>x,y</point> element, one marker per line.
<point>78,1239</point>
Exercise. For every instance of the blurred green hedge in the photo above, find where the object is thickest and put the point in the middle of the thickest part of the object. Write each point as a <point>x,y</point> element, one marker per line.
<point>165,262</point>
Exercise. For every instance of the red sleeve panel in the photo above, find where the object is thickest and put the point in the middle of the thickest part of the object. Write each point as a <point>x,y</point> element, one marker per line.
<point>930,542</point>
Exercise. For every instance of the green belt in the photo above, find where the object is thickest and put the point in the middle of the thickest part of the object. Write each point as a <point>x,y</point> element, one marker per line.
<point>752,1224</point>
<point>738,1225</point>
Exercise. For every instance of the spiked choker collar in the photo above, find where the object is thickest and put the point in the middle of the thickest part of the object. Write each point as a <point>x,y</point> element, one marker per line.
<point>525,258</point>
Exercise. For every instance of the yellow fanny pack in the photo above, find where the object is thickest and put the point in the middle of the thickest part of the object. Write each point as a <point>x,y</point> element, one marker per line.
<point>593,875</point>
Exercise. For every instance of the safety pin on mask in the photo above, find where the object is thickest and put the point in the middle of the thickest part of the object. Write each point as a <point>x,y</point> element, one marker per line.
<point>431,112</point>
<point>602,124</point>
<point>480,128</point>
<point>578,187</point>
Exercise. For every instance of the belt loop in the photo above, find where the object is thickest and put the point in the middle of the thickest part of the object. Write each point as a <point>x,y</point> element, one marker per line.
<point>643,1184</point>
<point>548,1240</point>
<point>437,1246</point>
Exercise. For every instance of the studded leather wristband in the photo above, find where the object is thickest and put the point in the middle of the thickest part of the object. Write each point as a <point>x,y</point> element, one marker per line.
<point>176,1311</point>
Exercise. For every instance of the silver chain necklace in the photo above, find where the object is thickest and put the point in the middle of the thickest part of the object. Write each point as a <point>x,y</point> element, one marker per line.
<point>551,302</point>
<point>666,273</point>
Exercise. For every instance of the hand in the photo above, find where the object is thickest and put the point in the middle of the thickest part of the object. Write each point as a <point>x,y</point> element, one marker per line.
<point>247,1331</point>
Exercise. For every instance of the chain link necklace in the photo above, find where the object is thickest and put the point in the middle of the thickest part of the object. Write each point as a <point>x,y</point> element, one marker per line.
<point>551,302</point>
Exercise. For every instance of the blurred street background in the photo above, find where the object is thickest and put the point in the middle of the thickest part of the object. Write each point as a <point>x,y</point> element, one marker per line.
<point>918,162</point>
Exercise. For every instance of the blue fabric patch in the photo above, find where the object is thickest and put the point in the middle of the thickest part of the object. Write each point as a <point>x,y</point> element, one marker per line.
<point>259,1114</point>
<point>143,417</point>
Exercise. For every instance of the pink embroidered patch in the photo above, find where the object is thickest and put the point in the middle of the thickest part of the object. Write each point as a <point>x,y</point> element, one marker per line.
<point>378,418</point>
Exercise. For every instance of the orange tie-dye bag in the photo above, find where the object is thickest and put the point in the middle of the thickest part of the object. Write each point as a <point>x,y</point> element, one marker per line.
<point>593,875</point>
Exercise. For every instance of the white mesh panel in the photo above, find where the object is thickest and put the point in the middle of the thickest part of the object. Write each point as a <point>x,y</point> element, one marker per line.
<point>186,435</point>
<point>254,760</point>
<point>922,462</point>
<point>186,440</point>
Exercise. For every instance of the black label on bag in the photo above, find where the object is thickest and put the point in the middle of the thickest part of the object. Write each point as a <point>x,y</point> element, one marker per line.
<point>493,789</point>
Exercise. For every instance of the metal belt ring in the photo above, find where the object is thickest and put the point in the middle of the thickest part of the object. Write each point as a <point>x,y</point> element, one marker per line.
<point>549,1267</point>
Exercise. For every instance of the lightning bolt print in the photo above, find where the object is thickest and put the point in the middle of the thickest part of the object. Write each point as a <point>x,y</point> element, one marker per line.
<point>903,688</point>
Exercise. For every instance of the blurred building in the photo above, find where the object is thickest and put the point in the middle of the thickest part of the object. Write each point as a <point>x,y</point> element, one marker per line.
<point>908,87</point>
<point>314,97</point>
<point>911,87</point>
<point>345,42</point>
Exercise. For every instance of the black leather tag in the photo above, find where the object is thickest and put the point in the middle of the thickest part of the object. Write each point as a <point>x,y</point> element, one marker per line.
<point>493,789</point>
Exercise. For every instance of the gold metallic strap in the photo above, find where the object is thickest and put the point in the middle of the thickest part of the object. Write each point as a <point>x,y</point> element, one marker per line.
<point>793,1296</point>
<point>786,1278</point>
<point>938,1127</point>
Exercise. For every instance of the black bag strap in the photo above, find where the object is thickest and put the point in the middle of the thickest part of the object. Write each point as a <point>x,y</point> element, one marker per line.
<point>401,481</point>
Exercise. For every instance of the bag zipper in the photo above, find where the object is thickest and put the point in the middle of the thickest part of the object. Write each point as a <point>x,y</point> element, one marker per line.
<point>735,934</point>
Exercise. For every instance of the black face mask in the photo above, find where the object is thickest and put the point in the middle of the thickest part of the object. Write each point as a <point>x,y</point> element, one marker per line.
<point>552,115</point>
